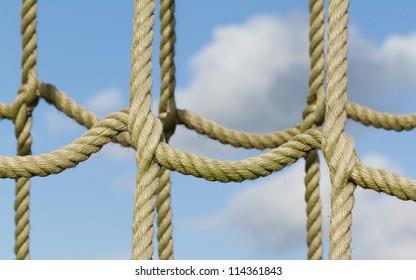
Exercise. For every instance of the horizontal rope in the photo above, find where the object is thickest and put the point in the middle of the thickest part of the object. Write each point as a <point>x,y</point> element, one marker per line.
<point>377,119</point>
<point>239,170</point>
<point>81,115</point>
<point>233,137</point>
<point>383,181</point>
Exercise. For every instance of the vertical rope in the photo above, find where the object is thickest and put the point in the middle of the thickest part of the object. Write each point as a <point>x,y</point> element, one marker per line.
<point>337,146</point>
<point>23,124</point>
<point>145,130</point>
<point>167,112</point>
<point>164,218</point>
<point>313,116</point>
<point>167,105</point>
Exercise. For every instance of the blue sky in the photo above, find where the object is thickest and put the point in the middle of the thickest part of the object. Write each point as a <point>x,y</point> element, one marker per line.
<point>243,64</point>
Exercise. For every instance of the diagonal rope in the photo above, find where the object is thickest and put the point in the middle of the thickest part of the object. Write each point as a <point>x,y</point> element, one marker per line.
<point>23,124</point>
<point>167,113</point>
<point>313,116</point>
<point>337,146</point>
<point>145,130</point>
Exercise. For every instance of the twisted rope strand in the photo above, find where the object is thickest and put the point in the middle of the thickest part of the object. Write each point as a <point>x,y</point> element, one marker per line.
<point>144,129</point>
<point>383,181</point>
<point>167,113</point>
<point>313,116</point>
<point>337,146</point>
<point>377,119</point>
<point>23,124</point>
<point>234,137</point>
<point>164,217</point>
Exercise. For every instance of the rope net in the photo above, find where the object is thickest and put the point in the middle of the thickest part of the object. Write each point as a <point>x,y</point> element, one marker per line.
<point>136,126</point>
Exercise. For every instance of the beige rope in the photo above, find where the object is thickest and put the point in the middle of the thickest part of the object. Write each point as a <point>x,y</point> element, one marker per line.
<point>167,112</point>
<point>337,146</point>
<point>145,130</point>
<point>68,156</point>
<point>239,170</point>
<point>234,137</point>
<point>164,218</point>
<point>23,124</point>
<point>379,119</point>
<point>75,111</point>
<point>313,117</point>
<point>138,127</point>
<point>382,181</point>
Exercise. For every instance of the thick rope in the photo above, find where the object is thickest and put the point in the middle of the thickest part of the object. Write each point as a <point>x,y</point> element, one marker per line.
<point>239,170</point>
<point>337,146</point>
<point>380,119</point>
<point>164,217</point>
<point>102,132</point>
<point>382,181</point>
<point>137,127</point>
<point>234,137</point>
<point>145,130</point>
<point>313,117</point>
<point>167,113</point>
<point>68,156</point>
<point>23,124</point>
<point>76,112</point>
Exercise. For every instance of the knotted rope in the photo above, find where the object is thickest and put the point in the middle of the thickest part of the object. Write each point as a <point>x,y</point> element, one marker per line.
<point>145,130</point>
<point>137,127</point>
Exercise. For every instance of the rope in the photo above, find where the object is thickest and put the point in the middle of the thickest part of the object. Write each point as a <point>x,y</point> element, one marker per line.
<point>23,124</point>
<point>313,117</point>
<point>76,112</point>
<point>167,113</point>
<point>234,137</point>
<point>239,170</point>
<point>337,146</point>
<point>145,130</point>
<point>379,119</point>
<point>137,127</point>
<point>68,156</point>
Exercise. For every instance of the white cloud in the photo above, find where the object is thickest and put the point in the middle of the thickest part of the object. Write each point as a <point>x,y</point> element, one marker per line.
<point>265,217</point>
<point>270,217</point>
<point>377,73</point>
<point>251,76</point>
<point>254,76</point>
<point>105,102</point>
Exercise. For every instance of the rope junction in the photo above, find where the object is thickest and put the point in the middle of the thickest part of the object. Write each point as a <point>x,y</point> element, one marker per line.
<point>322,128</point>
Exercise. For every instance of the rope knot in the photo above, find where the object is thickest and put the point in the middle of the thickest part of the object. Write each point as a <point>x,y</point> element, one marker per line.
<point>168,120</point>
<point>27,99</point>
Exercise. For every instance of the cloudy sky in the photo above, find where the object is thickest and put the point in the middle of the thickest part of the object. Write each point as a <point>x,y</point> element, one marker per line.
<point>242,64</point>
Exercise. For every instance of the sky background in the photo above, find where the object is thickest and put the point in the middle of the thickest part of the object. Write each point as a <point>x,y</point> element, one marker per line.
<point>243,64</point>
